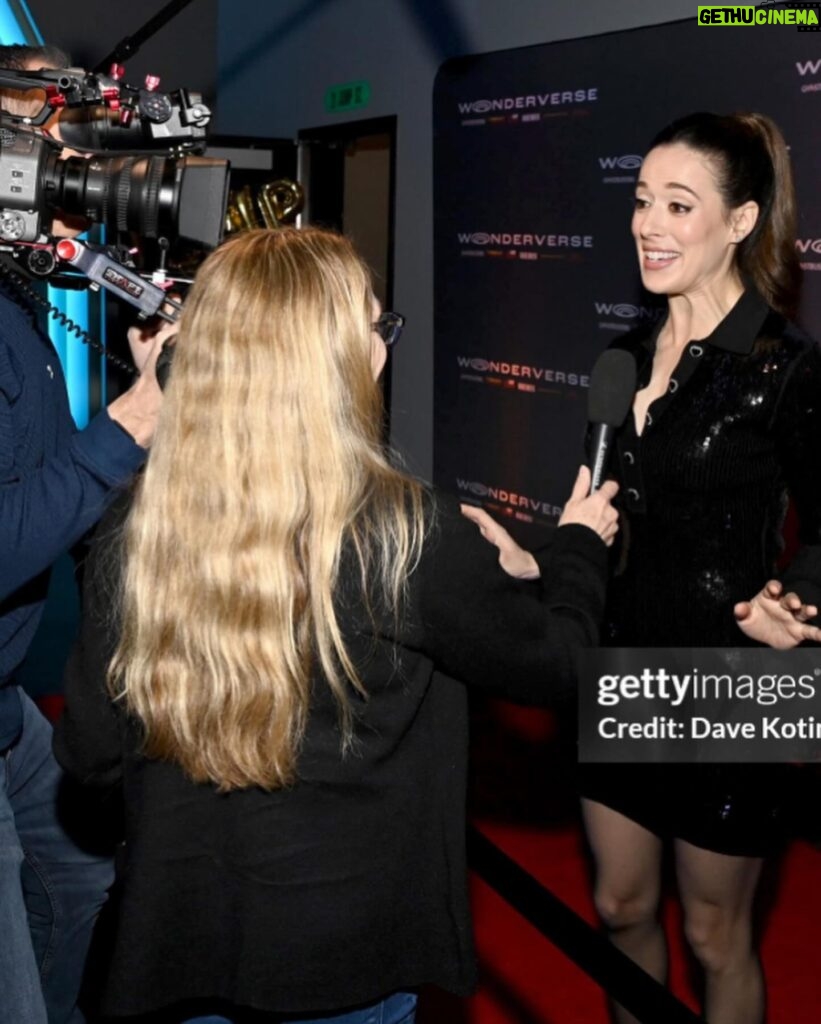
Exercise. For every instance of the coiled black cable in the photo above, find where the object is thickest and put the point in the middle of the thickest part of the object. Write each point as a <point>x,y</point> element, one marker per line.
<point>21,285</point>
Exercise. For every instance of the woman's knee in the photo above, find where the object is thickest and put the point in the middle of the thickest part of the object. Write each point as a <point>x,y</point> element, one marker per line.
<point>718,936</point>
<point>620,908</point>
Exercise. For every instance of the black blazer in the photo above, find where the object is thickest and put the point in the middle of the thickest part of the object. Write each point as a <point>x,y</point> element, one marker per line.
<point>351,883</point>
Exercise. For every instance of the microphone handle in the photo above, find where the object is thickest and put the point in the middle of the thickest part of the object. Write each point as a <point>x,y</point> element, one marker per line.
<point>601,438</point>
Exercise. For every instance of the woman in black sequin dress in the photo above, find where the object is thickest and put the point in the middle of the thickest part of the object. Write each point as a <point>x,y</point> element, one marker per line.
<point>726,426</point>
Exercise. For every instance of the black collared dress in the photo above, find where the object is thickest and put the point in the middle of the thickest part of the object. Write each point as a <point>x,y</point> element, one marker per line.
<point>704,491</point>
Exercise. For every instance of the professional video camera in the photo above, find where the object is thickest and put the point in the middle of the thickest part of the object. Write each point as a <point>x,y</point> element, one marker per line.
<point>140,195</point>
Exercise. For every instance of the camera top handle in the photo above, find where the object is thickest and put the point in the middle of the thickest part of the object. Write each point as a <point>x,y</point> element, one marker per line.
<point>64,87</point>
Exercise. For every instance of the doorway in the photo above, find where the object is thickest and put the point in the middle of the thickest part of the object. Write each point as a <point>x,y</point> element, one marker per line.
<point>348,173</point>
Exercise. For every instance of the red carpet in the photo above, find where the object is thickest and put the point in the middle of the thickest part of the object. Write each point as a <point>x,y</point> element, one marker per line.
<point>524,802</point>
<point>525,979</point>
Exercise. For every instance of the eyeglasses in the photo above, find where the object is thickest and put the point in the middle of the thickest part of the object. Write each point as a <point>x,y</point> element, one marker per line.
<point>389,327</point>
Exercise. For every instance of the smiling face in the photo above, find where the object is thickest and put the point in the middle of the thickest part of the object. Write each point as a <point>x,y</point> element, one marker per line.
<point>685,236</point>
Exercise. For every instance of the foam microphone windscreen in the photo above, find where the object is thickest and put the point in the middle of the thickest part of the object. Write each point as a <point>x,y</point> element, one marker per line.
<point>612,386</point>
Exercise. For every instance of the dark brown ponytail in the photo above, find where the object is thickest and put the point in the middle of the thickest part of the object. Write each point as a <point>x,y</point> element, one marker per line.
<point>752,163</point>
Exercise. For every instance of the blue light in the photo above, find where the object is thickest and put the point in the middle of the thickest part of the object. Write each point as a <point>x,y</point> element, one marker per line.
<point>103,336</point>
<point>77,359</point>
<point>10,29</point>
<point>56,331</point>
<point>32,26</point>
<point>72,352</point>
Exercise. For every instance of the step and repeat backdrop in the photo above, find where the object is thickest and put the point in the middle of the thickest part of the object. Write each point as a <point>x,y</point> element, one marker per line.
<point>536,154</point>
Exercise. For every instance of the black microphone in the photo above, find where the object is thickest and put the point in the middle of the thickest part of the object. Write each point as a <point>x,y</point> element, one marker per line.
<point>612,386</point>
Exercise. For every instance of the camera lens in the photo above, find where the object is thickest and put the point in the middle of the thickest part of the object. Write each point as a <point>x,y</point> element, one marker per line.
<point>153,196</point>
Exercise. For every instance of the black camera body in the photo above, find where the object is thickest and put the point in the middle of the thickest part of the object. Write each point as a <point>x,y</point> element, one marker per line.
<point>22,159</point>
<point>138,192</point>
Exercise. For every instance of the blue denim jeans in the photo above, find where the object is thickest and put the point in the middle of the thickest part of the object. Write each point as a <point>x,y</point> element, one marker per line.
<point>51,889</point>
<point>400,1008</point>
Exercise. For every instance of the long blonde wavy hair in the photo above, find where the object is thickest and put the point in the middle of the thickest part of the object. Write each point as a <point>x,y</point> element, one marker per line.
<point>267,463</point>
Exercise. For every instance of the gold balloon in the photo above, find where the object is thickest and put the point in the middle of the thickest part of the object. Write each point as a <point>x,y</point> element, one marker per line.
<point>272,205</point>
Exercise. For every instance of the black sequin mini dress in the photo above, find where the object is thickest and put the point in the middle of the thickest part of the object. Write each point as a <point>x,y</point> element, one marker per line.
<point>704,490</point>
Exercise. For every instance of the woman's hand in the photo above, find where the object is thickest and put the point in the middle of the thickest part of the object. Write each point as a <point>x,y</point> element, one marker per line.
<point>512,558</point>
<point>777,619</point>
<point>592,510</point>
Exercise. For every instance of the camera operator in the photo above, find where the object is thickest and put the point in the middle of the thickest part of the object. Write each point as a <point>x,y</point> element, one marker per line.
<point>55,482</point>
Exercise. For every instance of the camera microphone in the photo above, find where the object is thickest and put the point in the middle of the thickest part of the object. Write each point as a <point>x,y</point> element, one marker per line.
<point>612,387</point>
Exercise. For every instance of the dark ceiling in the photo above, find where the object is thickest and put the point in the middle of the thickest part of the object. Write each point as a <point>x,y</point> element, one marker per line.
<point>183,53</point>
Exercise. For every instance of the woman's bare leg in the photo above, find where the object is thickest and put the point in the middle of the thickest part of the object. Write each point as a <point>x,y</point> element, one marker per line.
<point>628,886</point>
<point>717,893</point>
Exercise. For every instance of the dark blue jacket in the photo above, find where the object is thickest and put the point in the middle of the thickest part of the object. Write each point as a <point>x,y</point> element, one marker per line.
<point>55,482</point>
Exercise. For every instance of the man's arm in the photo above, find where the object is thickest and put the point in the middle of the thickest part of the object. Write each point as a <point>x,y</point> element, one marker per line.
<point>45,511</point>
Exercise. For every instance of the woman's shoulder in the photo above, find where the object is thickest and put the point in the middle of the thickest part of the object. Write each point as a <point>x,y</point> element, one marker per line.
<point>790,337</point>
<point>113,519</point>
<point>443,511</point>
<point>439,502</point>
<point>786,351</point>
<point>103,565</point>
<point>445,526</point>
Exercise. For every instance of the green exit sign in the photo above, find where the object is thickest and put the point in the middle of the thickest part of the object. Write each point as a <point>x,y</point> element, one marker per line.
<point>348,96</point>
